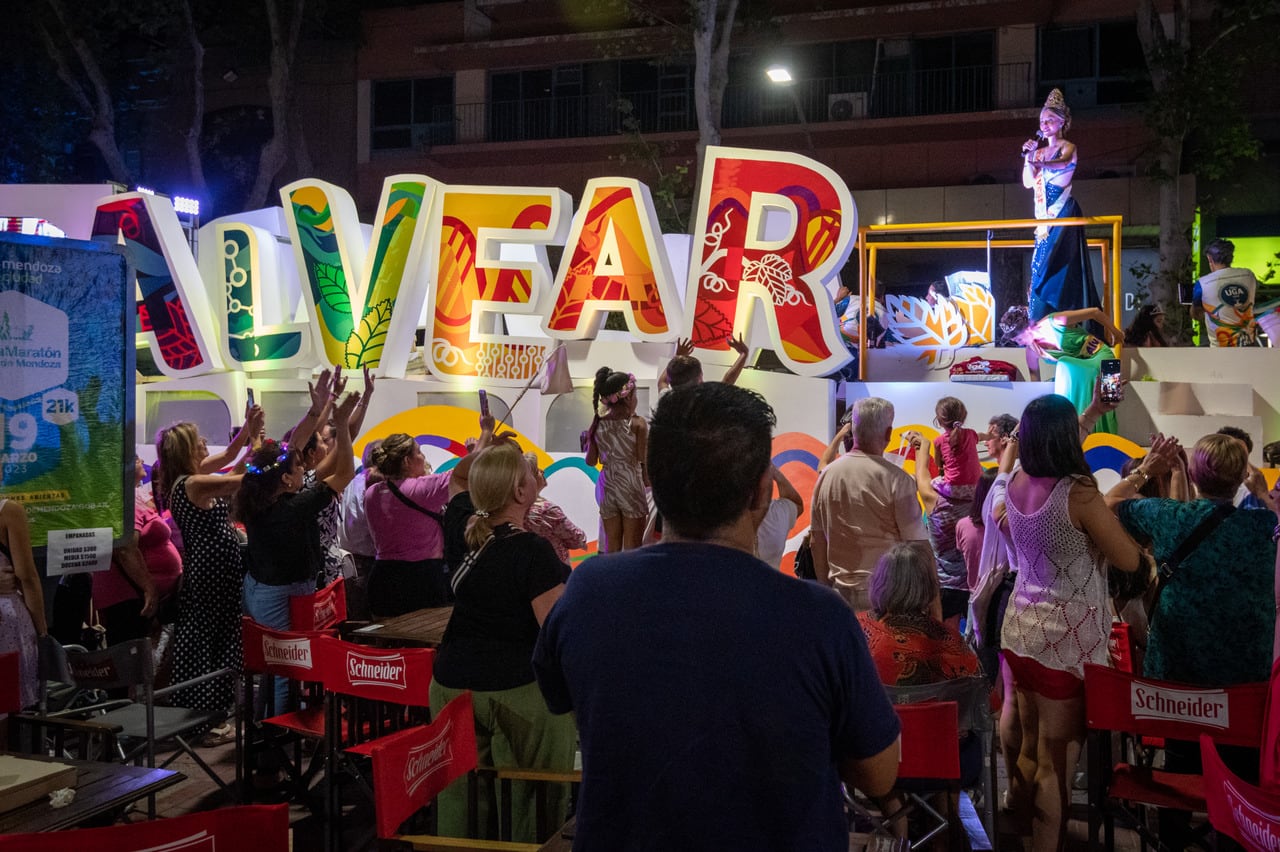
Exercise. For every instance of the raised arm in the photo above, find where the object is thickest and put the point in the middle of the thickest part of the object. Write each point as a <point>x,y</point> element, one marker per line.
<point>924,483</point>
<point>1163,454</point>
<point>737,344</point>
<point>787,491</point>
<point>253,420</point>
<point>341,459</point>
<point>1090,512</point>
<point>833,449</point>
<point>321,394</point>
<point>458,477</point>
<point>1096,408</point>
<point>357,417</point>
<point>683,347</point>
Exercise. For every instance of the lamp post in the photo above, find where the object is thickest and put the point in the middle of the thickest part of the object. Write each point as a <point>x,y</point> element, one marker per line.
<point>781,76</point>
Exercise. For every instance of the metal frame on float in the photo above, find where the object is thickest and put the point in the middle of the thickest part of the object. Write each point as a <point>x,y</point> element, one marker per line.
<point>867,257</point>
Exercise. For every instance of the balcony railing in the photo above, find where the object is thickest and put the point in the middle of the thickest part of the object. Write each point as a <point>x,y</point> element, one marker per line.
<point>895,94</point>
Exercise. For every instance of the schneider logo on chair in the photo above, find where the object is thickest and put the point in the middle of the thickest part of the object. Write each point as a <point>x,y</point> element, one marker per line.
<point>377,671</point>
<point>287,652</point>
<point>1176,705</point>
<point>427,759</point>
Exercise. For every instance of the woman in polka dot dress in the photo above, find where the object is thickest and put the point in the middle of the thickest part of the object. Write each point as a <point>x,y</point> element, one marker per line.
<point>207,633</point>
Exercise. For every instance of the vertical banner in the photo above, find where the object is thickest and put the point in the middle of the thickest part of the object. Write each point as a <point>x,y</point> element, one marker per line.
<point>66,393</point>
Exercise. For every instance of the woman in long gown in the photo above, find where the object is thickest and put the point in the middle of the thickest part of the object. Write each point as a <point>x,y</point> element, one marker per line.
<point>1061,276</point>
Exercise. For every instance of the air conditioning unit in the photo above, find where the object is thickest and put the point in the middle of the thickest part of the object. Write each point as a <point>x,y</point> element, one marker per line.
<point>846,105</point>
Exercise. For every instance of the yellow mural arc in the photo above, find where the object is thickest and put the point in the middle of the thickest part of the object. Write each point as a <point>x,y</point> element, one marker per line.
<point>449,422</point>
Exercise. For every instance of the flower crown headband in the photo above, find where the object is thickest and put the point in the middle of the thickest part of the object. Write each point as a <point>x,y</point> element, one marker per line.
<point>267,468</point>
<point>613,398</point>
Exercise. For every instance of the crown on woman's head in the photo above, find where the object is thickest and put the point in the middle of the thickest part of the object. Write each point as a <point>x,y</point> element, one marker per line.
<point>1057,104</point>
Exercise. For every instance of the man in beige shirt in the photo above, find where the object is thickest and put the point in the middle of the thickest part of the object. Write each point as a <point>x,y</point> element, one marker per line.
<point>862,505</point>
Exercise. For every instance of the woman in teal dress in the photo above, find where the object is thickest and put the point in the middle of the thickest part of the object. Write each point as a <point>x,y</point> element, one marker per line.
<point>1061,337</point>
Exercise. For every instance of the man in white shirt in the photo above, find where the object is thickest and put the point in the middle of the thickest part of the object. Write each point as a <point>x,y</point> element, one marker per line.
<point>1223,299</point>
<point>863,504</point>
<point>771,537</point>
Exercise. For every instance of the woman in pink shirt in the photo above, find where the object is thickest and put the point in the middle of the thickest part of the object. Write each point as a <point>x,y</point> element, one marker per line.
<point>405,513</point>
<point>143,572</point>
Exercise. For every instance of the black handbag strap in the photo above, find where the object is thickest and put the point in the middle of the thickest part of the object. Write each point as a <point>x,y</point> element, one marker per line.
<point>1190,543</point>
<point>400,495</point>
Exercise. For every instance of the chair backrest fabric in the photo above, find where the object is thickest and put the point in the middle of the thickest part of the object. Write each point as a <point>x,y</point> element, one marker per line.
<point>1115,701</point>
<point>321,609</point>
<point>930,740</point>
<point>410,768</point>
<point>263,828</point>
<point>1269,769</point>
<point>1237,808</point>
<point>971,694</point>
<point>10,683</point>
<point>284,653</point>
<point>122,665</point>
<point>395,675</point>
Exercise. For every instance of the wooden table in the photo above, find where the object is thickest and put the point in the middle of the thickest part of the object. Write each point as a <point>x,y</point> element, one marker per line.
<point>422,628</point>
<point>100,789</point>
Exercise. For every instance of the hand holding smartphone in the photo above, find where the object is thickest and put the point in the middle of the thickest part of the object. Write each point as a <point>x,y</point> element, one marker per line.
<point>1112,383</point>
<point>484,403</point>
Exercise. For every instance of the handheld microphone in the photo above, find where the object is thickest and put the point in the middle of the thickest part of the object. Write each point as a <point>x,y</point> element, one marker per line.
<point>1039,143</point>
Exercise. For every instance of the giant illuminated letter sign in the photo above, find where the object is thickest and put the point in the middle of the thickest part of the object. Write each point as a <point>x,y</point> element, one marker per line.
<point>771,227</point>
<point>355,324</point>
<point>173,314</point>
<point>491,261</point>
<point>244,269</point>
<point>614,260</point>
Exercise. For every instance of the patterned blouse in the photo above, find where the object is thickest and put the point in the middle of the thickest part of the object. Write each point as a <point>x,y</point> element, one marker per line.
<point>909,650</point>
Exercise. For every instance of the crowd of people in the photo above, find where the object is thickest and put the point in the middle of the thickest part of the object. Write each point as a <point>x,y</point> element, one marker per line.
<point>956,571</point>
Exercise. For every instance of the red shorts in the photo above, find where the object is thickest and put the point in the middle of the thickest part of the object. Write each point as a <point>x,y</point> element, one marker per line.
<point>1051,683</point>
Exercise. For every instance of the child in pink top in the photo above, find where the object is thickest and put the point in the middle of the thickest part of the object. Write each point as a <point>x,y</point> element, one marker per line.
<point>955,451</point>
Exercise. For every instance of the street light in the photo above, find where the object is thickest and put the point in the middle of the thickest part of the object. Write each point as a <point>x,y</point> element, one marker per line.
<point>781,76</point>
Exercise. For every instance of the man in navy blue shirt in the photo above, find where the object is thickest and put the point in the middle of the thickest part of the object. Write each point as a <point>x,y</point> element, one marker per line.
<point>719,702</point>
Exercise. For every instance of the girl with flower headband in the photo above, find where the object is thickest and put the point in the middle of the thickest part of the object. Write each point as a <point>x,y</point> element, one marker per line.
<point>1061,275</point>
<point>280,519</point>
<point>618,440</point>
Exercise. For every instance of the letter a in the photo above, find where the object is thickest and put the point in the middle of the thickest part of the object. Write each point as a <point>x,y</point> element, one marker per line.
<point>614,261</point>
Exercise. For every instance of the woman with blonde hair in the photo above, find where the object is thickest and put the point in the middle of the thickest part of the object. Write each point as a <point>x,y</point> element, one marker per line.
<point>505,587</point>
<point>207,633</point>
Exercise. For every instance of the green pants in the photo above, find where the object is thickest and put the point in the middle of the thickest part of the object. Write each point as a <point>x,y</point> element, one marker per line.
<point>514,729</point>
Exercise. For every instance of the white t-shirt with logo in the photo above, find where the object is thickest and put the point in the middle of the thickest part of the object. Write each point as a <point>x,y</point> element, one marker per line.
<point>1227,298</point>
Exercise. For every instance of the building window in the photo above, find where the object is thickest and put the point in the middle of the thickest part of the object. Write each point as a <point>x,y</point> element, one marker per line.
<point>1094,64</point>
<point>412,113</point>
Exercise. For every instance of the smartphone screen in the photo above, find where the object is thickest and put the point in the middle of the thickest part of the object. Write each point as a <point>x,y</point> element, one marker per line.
<point>1112,386</point>
<point>250,392</point>
<point>484,404</point>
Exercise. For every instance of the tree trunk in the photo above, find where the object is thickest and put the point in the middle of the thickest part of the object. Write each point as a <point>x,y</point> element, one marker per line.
<point>1174,245</point>
<point>712,33</point>
<point>284,42</point>
<point>191,139</point>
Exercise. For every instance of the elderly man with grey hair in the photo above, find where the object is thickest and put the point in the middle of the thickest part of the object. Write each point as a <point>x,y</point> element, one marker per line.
<point>863,504</point>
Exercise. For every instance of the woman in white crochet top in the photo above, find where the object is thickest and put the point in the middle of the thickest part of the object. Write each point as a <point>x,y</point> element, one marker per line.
<point>1059,617</point>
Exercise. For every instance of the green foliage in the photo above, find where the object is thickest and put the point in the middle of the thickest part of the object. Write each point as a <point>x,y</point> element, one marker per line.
<point>332,284</point>
<point>364,346</point>
<point>670,185</point>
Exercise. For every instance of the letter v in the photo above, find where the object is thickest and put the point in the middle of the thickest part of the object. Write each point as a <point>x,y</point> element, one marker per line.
<point>331,253</point>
